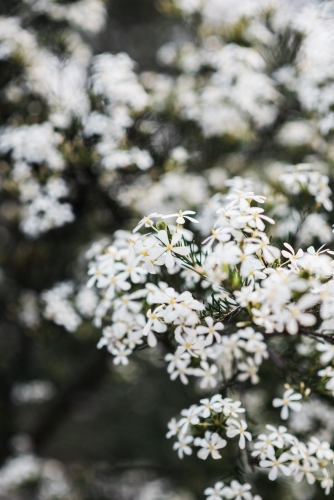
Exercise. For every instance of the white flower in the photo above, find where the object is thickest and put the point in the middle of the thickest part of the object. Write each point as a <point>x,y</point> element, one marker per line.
<point>181,216</point>
<point>211,443</point>
<point>147,253</point>
<point>189,342</point>
<point>207,372</point>
<point>280,436</point>
<point>327,350</point>
<point>131,271</point>
<point>236,428</point>
<point>269,252</point>
<point>115,283</point>
<point>256,218</point>
<point>243,198</point>
<point>291,255</point>
<point>249,370</point>
<point>174,428</point>
<point>154,323</point>
<point>121,352</point>
<point>146,221</point>
<point>214,404</point>
<point>232,408</point>
<point>305,470</point>
<point>215,493</point>
<point>320,448</point>
<point>263,447</point>
<point>182,445</point>
<point>327,482</point>
<point>237,491</point>
<point>289,400</point>
<point>176,359</point>
<point>276,464</point>
<point>190,417</point>
<point>211,330</point>
<point>171,247</point>
<point>296,314</point>
<point>181,370</point>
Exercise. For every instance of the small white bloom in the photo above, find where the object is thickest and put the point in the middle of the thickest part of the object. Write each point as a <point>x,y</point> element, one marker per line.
<point>169,247</point>
<point>207,372</point>
<point>289,400</point>
<point>181,216</point>
<point>211,443</point>
<point>236,428</point>
<point>211,330</point>
<point>146,221</point>
<point>182,445</point>
<point>276,464</point>
<point>215,493</point>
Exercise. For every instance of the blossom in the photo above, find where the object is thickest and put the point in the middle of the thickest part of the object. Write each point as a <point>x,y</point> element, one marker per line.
<point>207,372</point>
<point>249,370</point>
<point>215,493</point>
<point>181,216</point>
<point>214,404</point>
<point>146,221</point>
<point>236,428</point>
<point>242,199</point>
<point>176,358</point>
<point>182,445</point>
<point>173,427</point>
<point>154,323</point>
<point>327,482</point>
<point>280,436</point>
<point>232,408</point>
<point>291,255</point>
<point>121,354</point>
<point>327,350</point>
<point>181,370</point>
<point>189,342</point>
<point>189,417</point>
<point>211,330</point>
<point>276,464</point>
<point>211,443</point>
<point>238,491</point>
<point>170,247</point>
<point>290,400</point>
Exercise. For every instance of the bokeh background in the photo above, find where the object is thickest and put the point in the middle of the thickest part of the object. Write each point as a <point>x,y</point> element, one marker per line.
<point>72,424</point>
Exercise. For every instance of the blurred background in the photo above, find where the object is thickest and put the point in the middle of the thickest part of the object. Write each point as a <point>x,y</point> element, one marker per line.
<point>72,424</point>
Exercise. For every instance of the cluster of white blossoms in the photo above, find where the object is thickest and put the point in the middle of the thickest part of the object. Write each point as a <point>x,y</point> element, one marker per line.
<point>196,423</point>
<point>215,306</point>
<point>278,452</point>
<point>217,295</point>
<point>236,94</point>
<point>61,90</point>
<point>42,206</point>
<point>26,468</point>
<point>229,89</point>
<point>233,89</point>
<point>66,306</point>
<point>87,15</point>
<point>114,81</point>
<point>305,177</point>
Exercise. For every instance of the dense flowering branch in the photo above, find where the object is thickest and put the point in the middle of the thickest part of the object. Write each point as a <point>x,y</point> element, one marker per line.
<point>228,300</point>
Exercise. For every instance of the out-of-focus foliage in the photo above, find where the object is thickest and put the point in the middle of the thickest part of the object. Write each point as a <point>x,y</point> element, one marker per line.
<point>108,113</point>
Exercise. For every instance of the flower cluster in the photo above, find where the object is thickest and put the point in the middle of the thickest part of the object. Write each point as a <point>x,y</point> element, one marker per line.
<point>197,423</point>
<point>282,453</point>
<point>244,291</point>
<point>98,97</point>
<point>67,306</point>
<point>88,15</point>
